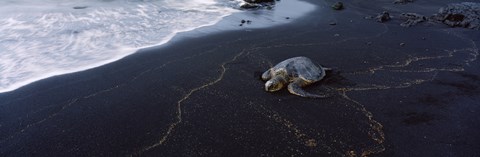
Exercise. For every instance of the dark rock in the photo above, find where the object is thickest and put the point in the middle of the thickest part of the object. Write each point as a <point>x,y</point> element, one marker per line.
<point>333,23</point>
<point>402,44</point>
<point>250,6</point>
<point>402,1</point>
<point>455,17</point>
<point>287,18</point>
<point>383,17</point>
<point>338,6</point>
<point>412,19</point>
<point>249,22</point>
<point>466,14</point>
<point>80,7</point>
<point>259,1</point>
<point>256,4</point>
<point>243,21</point>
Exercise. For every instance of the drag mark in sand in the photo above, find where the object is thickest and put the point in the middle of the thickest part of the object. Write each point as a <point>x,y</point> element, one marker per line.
<point>399,67</point>
<point>475,53</point>
<point>376,134</point>
<point>178,117</point>
<point>396,68</point>
<point>299,135</point>
<point>385,87</point>
<point>474,49</point>
<point>411,59</point>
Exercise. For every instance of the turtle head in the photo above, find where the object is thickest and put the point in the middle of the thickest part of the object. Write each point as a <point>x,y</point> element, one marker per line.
<point>274,84</point>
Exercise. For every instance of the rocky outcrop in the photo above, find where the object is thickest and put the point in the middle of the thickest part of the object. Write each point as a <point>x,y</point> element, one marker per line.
<point>259,1</point>
<point>466,14</point>
<point>337,6</point>
<point>412,19</point>
<point>402,1</point>
<point>80,7</point>
<point>250,6</point>
<point>256,4</point>
<point>383,17</point>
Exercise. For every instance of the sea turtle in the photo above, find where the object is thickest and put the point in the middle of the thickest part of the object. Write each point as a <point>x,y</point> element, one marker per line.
<point>297,72</point>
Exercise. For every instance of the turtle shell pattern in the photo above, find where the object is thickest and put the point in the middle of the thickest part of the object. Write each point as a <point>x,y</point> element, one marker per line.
<point>301,67</point>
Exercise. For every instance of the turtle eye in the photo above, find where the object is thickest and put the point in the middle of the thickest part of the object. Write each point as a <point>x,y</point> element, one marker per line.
<point>276,86</point>
<point>273,87</point>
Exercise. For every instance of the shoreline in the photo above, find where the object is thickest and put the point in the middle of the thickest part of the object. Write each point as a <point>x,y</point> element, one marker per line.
<point>202,96</point>
<point>224,23</point>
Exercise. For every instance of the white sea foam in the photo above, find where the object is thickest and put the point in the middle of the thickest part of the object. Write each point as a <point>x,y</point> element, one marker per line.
<point>44,38</point>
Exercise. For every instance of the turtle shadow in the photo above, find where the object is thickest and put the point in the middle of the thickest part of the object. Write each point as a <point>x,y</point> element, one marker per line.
<point>330,83</point>
<point>332,78</point>
<point>335,78</point>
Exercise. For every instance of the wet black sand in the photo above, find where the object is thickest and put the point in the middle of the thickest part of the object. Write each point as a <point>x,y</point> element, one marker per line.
<point>203,97</point>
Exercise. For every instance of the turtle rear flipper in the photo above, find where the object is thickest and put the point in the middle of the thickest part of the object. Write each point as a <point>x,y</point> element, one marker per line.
<point>327,69</point>
<point>296,88</point>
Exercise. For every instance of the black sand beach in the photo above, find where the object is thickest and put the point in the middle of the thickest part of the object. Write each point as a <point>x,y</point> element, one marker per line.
<point>204,97</point>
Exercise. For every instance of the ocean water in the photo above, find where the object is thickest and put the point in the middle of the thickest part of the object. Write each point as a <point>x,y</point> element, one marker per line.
<point>44,38</point>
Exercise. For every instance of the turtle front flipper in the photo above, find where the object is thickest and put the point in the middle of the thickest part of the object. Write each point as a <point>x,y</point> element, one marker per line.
<point>267,75</point>
<point>295,87</point>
